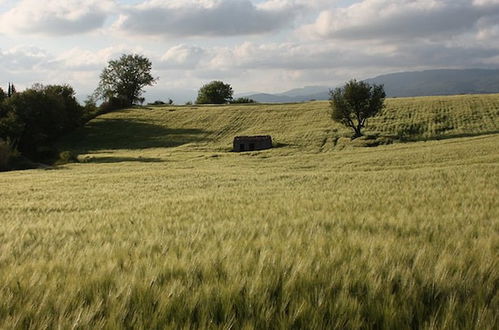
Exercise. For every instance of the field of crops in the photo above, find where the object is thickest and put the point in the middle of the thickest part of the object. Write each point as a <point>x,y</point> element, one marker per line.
<point>160,226</point>
<point>439,117</point>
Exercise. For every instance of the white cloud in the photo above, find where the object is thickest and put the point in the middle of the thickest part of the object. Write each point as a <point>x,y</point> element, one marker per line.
<point>402,19</point>
<point>23,58</point>
<point>79,59</point>
<point>56,17</point>
<point>182,57</point>
<point>365,39</point>
<point>202,18</point>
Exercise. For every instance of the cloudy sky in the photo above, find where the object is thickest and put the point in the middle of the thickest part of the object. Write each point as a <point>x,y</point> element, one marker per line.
<point>255,45</point>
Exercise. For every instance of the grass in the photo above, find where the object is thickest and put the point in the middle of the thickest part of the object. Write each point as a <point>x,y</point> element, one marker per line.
<point>161,226</point>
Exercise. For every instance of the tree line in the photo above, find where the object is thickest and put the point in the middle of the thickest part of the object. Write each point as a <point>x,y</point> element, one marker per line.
<point>30,121</point>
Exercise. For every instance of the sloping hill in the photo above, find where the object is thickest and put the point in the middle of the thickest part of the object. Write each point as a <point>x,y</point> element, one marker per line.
<point>305,126</point>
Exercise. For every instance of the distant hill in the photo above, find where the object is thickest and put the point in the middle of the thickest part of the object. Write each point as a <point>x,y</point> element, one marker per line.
<point>272,98</point>
<point>439,82</point>
<point>405,84</point>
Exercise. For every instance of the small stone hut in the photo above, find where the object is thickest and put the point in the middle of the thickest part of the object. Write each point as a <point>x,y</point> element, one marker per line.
<point>251,143</point>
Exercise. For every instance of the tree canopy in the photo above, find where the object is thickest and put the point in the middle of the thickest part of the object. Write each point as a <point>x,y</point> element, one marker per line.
<point>357,101</point>
<point>38,116</point>
<point>125,79</point>
<point>215,92</point>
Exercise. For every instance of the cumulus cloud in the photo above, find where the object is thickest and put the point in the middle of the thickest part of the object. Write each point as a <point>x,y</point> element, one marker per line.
<point>182,57</point>
<point>401,19</point>
<point>363,39</point>
<point>80,59</point>
<point>56,17</point>
<point>324,56</point>
<point>24,65</point>
<point>24,58</point>
<point>203,18</point>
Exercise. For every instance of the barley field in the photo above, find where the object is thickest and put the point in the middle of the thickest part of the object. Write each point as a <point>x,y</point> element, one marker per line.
<point>160,226</point>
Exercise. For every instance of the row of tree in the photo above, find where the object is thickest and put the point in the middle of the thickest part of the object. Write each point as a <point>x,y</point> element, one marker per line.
<point>122,84</point>
<point>11,90</point>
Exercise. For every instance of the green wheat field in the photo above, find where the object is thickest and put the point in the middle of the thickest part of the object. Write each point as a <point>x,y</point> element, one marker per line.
<point>160,226</point>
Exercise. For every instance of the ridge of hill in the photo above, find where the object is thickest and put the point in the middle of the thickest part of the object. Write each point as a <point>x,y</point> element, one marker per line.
<point>406,84</point>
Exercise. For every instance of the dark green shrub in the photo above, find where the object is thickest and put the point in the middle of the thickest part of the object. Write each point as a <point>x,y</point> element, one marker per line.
<point>41,115</point>
<point>158,102</point>
<point>215,92</point>
<point>46,154</point>
<point>242,100</point>
<point>114,103</point>
<point>355,103</point>
<point>3,95</point>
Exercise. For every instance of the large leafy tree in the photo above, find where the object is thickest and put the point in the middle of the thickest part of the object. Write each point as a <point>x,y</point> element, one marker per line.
<point>357,101</point>
<point>125,79</point>
<point>38,116</point>
<point>215,92</point>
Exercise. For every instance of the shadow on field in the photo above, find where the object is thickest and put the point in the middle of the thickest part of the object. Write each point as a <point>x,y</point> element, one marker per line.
<point>276,145</point>
<point>460,135</point>
<point>448,136</point>
<point>112,134</point>
<point>107,160</point>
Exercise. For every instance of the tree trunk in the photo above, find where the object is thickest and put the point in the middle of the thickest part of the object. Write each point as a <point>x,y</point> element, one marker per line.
<point>358,132</point>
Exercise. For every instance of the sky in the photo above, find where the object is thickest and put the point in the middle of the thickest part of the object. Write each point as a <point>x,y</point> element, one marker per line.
<point>255,45</point>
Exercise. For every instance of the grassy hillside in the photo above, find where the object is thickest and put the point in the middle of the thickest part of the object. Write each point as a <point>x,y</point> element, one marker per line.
<point>306,126</point>
<point>160,226</point>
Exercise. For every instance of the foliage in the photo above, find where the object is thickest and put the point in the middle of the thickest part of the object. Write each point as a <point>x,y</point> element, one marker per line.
<point>157,102</point>
<point>242,100</point>
<point>5,154</point>
<point>11,127</point>
<point>113,103</point>
<point>125,79</point>
<point>39,115</point>
<point>357,101</point>
<point>3,95</point>
<point>215,92</point>
<point>11,90</point>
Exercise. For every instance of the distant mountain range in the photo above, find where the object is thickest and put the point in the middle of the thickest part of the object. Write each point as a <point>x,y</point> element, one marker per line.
<point>404,84</point>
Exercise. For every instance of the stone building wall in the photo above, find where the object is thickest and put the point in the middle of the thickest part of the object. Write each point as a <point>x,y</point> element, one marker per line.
<point>251,143</point>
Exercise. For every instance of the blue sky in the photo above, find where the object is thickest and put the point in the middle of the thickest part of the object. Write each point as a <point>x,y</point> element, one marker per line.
<point>260,45</point>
